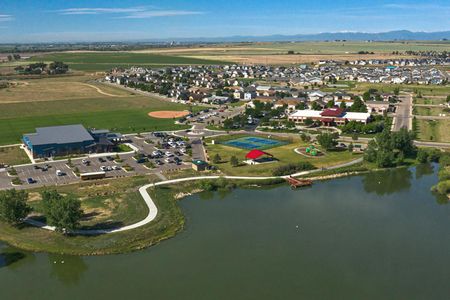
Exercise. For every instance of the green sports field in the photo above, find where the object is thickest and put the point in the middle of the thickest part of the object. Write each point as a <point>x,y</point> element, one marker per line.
<point>125,115</point>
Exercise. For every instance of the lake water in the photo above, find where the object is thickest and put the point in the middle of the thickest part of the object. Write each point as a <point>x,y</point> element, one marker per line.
<point>378,236</point>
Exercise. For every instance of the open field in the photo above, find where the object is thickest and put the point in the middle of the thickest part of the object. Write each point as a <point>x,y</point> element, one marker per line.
<point>285,154</point>
<point>106,204</point>
<point>57,88</point>
<point>103,61</point>
<point>304,48</point>
<point>430,101</point>
<point>126,208</point>
<point>126,115</point>
<point>426,90</point>
<point>13,156</point>
<point>433,130</point>
<point>305,52</point>
<point>430,111</point>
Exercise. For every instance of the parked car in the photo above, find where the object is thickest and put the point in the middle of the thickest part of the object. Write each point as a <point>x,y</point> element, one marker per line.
<point>36,167</point>
<point>31,180</point>
<point>110,158</point>
<point>117,168</point>
<point>60,173</point>
<point>103,168</point>
<point>101,159</point>
<point>158,162</point>
<point>168,154</point>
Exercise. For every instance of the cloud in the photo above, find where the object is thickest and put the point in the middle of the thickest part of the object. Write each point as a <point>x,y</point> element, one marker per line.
<point>162,13</point>
<point>95,11</point>
<point>4,18</point>
<point>128,13</point>
<point>416,6</point>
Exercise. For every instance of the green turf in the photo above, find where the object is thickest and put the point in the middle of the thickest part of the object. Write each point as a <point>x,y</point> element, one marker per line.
<point>126,115</point>
<point>101,61</point>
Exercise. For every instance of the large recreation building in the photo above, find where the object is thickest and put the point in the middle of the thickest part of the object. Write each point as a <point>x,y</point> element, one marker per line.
<point>67,140</point>
<point>329,116</point>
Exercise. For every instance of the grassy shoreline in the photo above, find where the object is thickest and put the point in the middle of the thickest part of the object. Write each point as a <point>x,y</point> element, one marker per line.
<point>169,221</point>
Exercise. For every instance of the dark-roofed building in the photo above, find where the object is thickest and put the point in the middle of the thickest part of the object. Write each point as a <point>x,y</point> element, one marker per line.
<point>59,141</point>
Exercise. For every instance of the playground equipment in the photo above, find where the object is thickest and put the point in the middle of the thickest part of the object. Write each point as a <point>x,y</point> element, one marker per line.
<point>311,150</point>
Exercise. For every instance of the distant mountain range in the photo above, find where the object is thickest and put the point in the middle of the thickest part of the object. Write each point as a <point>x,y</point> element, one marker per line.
<point>403,35</point>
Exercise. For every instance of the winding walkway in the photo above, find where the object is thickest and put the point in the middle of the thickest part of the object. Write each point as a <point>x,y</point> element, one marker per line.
<point>153,210</point>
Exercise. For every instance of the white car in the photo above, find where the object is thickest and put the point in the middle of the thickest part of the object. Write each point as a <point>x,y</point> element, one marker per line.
<point>103,168</point>
<point>59,173</point>
<point>169,154</point>
<point>117,168</point>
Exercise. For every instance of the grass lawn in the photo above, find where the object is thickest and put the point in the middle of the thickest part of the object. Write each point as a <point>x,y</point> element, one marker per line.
<point>433,130</point>
<point>103,61</point>
<point>429,111</point>
<point>126,115</point>
<point>113,206</point>
<point>13,156</point>
<point>432,101</point>
<point>426,90</point>
<point>57,88</point>
<point>285,154</point>
<point>106,204</point>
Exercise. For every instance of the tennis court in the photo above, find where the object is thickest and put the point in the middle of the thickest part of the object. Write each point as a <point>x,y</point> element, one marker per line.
<point>252,142</point>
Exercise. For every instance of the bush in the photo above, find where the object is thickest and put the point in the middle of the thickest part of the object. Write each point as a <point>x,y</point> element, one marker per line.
<point>292,168</point>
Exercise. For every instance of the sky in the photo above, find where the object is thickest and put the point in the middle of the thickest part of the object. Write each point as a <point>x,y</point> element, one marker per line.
<point>124,20</point>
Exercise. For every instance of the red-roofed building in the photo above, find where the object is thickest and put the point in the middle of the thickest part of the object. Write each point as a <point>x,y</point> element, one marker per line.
<point>256,156</point>
<point>334,112</point>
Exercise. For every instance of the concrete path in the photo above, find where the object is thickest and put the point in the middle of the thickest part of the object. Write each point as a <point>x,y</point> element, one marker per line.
<point>153,210</point>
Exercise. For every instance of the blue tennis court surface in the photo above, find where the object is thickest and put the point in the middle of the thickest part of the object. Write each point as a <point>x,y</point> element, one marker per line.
<point>251,142</point>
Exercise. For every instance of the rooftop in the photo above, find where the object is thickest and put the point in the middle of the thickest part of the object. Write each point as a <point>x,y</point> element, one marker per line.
<point>59,135</point>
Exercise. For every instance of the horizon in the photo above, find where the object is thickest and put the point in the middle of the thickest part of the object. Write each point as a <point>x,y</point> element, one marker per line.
<point>94,21</point>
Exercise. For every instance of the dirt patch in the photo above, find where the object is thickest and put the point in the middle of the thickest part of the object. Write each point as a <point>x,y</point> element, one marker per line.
<point>34,196</point>
<point>168,114</point>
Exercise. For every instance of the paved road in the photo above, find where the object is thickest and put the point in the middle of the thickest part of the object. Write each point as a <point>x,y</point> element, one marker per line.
<point>153,210</point>
<point>403,113</point>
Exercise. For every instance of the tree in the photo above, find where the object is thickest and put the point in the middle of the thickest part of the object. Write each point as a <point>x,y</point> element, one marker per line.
<point>358,105</point>
<point>309,122</point>
<point>305,138</point>
<point>330,104</point>
<point>217,158</point>
<point>343,105</point>
<point>350,147</point>
<point>234,161</point>
<point>327,140</point>
<point>13,206</point>
<point>315,106</point>
<point>63,212</point>
<point>422,156</point>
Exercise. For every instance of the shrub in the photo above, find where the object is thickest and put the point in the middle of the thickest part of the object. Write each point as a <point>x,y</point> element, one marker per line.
<point>292,168</point>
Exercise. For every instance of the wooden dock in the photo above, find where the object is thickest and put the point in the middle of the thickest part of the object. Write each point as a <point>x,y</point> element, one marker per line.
<point>296,183</point>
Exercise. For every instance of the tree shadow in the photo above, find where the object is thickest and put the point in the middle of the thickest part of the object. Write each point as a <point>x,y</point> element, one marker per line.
<point>9,258</point>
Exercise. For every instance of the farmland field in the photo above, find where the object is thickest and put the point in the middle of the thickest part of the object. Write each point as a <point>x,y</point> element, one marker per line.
<point>103,61</point>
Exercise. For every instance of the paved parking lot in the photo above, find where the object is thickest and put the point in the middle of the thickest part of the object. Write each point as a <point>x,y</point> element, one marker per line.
<point>48,177</point>
<point>42,177</point>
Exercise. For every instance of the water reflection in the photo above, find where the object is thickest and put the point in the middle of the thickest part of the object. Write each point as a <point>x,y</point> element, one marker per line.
<point>67,269</point>
<point>388,181</point>
<point>423,170</point>
<point>9,258</point>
